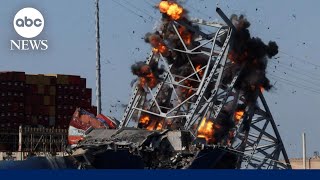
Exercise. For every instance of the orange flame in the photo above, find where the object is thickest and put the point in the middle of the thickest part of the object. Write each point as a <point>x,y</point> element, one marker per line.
<point>150,80</point>
<point>206,130</point>
<point>173,10</point>
<point>261,89</point>
<point>159,127</point>
<point>188,92</point>
<point>161,48</point>
<point>198,69</point>
<point>150,124</point>
<point>238,115</point>
<point>144,120</point>
<point>142,81</point>
<point>185,35</point>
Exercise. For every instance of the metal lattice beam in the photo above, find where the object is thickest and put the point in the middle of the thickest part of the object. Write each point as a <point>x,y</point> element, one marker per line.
<point>261,139</point>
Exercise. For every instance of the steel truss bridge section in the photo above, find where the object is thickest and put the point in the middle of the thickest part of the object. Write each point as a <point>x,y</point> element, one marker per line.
<point>256,140</point>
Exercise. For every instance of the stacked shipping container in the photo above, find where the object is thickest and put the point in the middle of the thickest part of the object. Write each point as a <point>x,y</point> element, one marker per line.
<point>12,95</point>
<point>40,100</point>
<point>71,93</point>
<point>45,100</point>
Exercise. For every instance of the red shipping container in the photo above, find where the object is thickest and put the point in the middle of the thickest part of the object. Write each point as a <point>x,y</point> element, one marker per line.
<point>46,90</point>
<point>74,80</point>
<point>18,76</point>
<point>53,80</point>
<point>35,110</point>
<point>83,83</point>
<point>88,93</point>
<point>3,86</point>
<point>3,76</point>
<point>59,88</point>
<point>13,76</point>
<point>27,89</point>
<point>44,110</point>
<point>34,88</point>
<point>34,100</point>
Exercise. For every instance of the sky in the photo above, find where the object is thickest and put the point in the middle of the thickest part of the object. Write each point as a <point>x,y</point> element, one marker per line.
<point>70,31</point>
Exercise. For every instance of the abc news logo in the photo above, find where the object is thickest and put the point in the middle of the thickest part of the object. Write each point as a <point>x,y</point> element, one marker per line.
<point>28,23</point>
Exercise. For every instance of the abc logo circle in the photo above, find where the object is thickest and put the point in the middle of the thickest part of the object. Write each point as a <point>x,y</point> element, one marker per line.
<point>28,22</point>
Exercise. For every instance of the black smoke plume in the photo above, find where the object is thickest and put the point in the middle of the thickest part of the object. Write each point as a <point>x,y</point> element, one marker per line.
<point>252,51</point>
<point>149,74</point>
